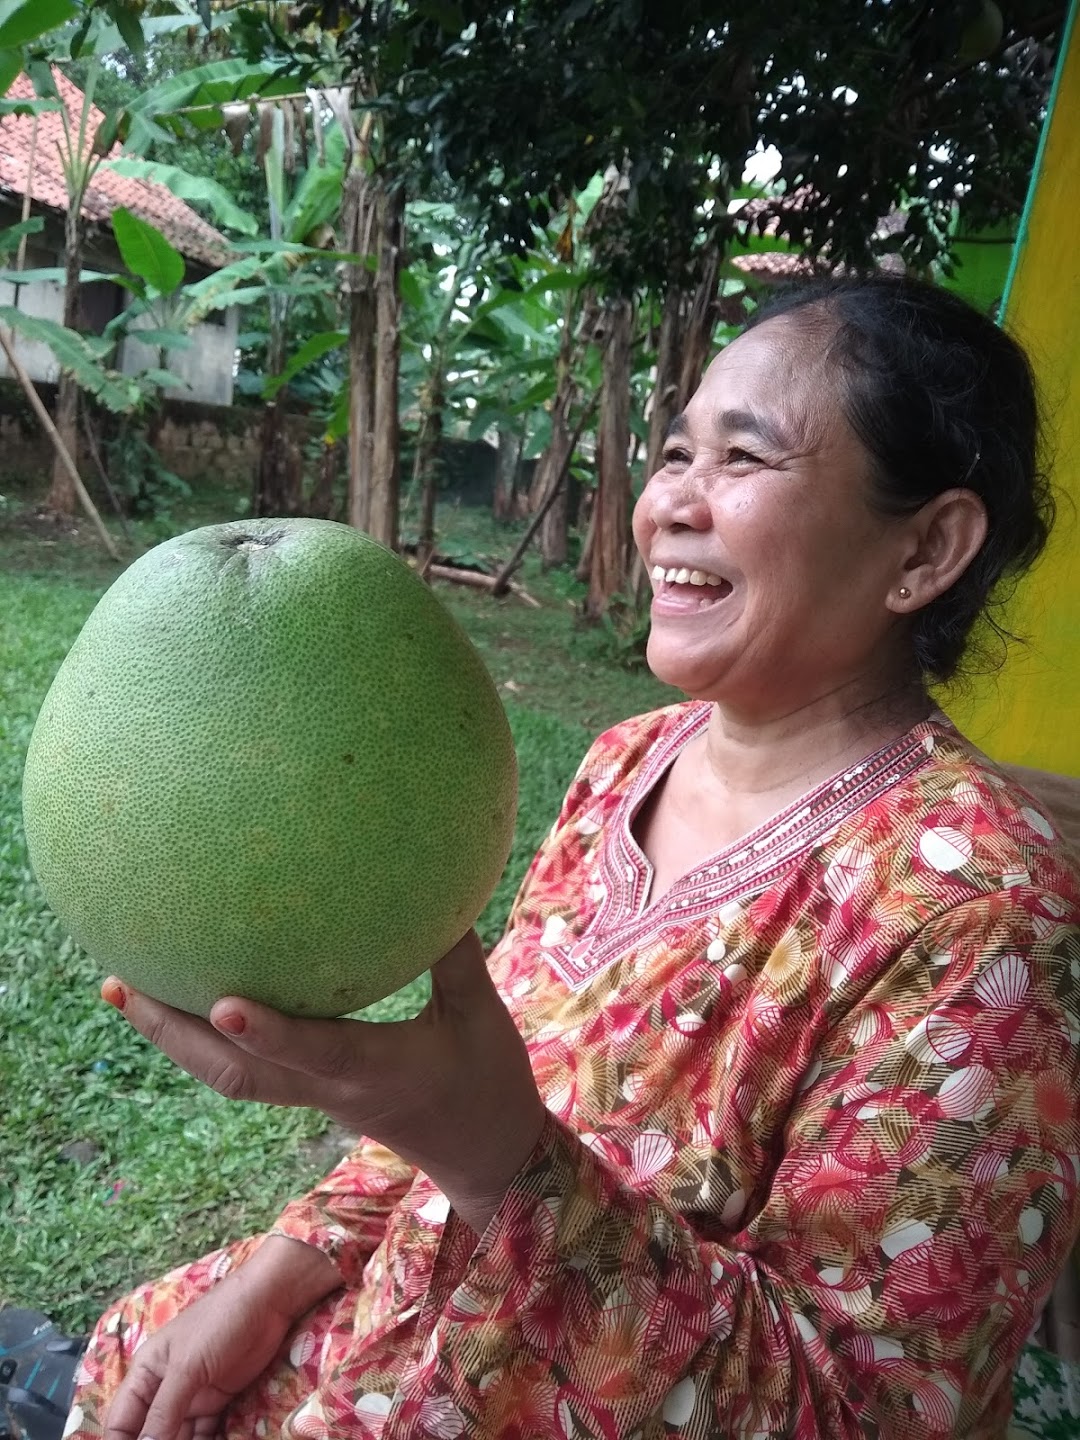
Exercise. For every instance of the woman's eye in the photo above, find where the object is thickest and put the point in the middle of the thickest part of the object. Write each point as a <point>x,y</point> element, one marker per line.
<point>676,456</point>
<point>739,456</point>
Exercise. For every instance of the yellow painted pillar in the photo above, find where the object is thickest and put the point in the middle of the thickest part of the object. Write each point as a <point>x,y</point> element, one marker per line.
<point>1029,714</point>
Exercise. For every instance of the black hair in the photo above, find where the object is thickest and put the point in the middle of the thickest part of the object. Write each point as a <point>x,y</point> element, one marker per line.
<point>942,398</point>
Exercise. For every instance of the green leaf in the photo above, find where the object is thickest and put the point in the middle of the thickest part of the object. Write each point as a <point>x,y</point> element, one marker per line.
<point>165,378</point>
<point>160,339</point>
<point>312,349</point>
<point>147,253</point>
<point>412,292</point>
<point>109,131</point>
<point>24,20</point>
<point>11,62</point>
<point>78,40</point>
<point>82,355</point>
<point>27,107</point>
<point>127,22</point>
<point>12,234</point>
<point>538,394</point>
<point>184,185</point>
<point>559,280</point>
<point>41,75</point>
<point>210,85</point>
<point>215,291</point>
<point>317,197</point>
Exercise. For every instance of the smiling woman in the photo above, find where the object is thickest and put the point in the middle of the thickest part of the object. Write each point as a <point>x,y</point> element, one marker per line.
<point>764,1117</point>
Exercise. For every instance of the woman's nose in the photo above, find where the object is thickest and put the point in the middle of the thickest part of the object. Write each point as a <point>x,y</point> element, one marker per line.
<point>678,504</point>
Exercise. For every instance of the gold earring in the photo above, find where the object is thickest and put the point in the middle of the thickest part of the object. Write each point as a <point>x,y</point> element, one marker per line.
<point>904,592</point>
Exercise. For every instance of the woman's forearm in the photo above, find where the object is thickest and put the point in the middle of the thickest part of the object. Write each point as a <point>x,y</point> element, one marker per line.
<point>298,1275</point>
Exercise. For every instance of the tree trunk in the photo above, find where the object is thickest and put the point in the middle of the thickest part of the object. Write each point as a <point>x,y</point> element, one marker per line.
<point>426,467</point>
<point>665,406</point>
<point>699,327</point>
<point>665,396</point>
<point>62,498</point>
<point>278,487</point>
<point>386,460</point>
<point>361,404</point>
<point>506,467</point>
<point>321,504</point>
<point>584,565</point>
<point>358,218</point>
<point>687,325</point>
<point>553,544</point>
<point>607,574</point>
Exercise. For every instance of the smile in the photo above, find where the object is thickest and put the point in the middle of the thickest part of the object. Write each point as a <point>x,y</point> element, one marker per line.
<point>678,590</point>
<point>683,576</point>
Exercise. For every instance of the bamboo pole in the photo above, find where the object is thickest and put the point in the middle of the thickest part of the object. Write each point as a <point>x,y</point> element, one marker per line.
<point>20,260</point>
<point>58,445</point>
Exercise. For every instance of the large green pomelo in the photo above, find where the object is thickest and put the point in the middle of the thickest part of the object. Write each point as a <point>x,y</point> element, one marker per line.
<point>271,765</point>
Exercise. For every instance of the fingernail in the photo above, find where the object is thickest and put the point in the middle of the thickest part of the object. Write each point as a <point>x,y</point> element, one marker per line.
<point>231,1024</point>
<point>113,993</point>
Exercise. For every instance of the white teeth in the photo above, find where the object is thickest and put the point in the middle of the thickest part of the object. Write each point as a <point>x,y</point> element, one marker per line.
<point>682,576</point>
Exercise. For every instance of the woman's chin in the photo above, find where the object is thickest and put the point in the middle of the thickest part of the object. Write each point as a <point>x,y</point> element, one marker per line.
<point>672,666</point>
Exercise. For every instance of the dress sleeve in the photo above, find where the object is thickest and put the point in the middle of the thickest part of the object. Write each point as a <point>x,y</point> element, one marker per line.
<point>923,1201</point>
<point>346,1214</point>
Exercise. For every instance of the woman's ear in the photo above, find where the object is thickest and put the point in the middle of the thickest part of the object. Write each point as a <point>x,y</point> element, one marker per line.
<point>944,538</point>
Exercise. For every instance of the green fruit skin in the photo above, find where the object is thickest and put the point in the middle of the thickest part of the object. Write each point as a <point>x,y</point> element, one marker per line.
<point>278,771</point>
<point>982,36</point>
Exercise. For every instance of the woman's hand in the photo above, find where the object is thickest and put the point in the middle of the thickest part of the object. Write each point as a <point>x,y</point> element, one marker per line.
<point>451,1091</point>
<point>181,1379</point>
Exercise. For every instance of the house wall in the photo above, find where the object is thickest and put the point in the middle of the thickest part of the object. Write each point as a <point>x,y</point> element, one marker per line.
<point>205,366</point>
<point>42,298</point>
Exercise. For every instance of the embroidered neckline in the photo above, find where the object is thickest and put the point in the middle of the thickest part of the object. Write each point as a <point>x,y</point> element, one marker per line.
<point>625,917</point>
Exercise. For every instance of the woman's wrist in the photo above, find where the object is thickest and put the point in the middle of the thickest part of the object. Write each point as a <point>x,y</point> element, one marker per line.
<point>295,1274</point>
<point>478,1194</point>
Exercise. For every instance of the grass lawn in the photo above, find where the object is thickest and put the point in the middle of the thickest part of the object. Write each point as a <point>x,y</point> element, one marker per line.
<point>114,1165</point>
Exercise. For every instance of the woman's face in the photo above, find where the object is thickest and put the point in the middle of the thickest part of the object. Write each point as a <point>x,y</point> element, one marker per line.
<point>764,490</point>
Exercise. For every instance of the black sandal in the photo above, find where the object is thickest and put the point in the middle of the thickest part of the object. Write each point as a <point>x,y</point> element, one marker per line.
<point>37,1376</point>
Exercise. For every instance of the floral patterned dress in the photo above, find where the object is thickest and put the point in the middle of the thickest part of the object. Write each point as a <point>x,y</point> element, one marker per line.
<point>812,1155</point>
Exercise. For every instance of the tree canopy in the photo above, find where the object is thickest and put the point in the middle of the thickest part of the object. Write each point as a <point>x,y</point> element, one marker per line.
<point>870,105</point>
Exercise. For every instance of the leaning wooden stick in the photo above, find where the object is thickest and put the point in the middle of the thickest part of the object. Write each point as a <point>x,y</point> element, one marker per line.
<point>502,579</point>
<point>478,581</point>
<point>58,444</point>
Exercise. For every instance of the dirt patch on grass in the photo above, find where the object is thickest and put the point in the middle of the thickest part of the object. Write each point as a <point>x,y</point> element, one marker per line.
<point>324,1152</point>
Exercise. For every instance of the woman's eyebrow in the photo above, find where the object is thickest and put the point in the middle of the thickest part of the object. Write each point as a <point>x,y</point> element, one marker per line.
<point>747,422</point>
<point>742,422</point>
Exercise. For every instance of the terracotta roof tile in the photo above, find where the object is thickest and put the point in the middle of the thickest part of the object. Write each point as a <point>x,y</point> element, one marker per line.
<point>771,266</point>
<point>151,201</point>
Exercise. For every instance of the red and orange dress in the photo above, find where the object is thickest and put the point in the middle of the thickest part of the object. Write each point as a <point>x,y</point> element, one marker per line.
<point>812,1157</point>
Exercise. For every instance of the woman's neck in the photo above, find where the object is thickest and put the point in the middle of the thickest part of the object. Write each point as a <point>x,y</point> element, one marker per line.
<point>793,750</point>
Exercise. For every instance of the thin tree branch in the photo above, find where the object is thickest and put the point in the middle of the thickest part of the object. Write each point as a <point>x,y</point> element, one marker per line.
<point>503,577</point>
<point>58,444</point>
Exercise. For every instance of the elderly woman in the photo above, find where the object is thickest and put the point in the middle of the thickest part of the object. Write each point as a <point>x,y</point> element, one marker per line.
<point>763,1117</point>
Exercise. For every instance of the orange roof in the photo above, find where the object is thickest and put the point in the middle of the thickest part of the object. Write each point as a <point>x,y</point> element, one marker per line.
<point>148,199</point>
